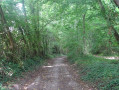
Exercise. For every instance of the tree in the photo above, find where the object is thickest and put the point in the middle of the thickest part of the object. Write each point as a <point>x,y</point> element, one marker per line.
<point>116,2</point>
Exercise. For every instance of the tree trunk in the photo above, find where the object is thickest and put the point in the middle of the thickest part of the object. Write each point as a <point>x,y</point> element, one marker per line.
<point>84,41</point>
<point>7,31</point>
<point>12,45</point>
<point>26,29</point>
<point>116,35</point>
<point>116,2</point>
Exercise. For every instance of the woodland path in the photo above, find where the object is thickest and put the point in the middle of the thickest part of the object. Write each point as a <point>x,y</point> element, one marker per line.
<point>57,75</point>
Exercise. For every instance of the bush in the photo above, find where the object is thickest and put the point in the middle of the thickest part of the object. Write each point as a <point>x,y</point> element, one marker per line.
<point>12,70</point>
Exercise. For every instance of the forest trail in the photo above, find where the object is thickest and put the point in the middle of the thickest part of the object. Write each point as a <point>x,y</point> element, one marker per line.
<point>57,75</point>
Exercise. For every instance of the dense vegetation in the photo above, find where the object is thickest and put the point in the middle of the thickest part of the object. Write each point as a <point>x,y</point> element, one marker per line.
<point>26,36</point>
<point>79,28</point>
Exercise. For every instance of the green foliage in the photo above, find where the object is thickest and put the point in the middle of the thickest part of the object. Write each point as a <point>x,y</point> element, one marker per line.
<point>26,31</point>
<point>42,28</point>
<point>14,70</point>
<point>112,85</point>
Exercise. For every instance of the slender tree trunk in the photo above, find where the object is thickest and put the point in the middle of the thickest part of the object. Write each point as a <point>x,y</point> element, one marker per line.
<point>115,33</point>
<point>12,45</point>
<point>22,33</point>
<point>26,29</point>
<point>7,31</point>
<point>84,41</point>
<point>38,28</point>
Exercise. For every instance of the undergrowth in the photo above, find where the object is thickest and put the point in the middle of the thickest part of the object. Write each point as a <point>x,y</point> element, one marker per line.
<point>10,71</point>
<point>102,72</point>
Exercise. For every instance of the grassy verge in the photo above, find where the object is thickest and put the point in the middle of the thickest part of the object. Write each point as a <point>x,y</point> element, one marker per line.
<point>102,72</point>
<point>10,71</point>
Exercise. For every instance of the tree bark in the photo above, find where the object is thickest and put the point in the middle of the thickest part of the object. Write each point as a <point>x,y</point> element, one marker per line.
<point>84,41</point>
<point>116,2</point>
<point>116,35</point>
<point>7,31</point>
<point>26,29</point>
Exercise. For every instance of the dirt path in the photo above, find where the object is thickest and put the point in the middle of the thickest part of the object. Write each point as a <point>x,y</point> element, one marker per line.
<point>57,75</point>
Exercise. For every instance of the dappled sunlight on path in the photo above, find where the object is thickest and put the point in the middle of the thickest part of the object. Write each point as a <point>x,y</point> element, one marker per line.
<point>109,57</point>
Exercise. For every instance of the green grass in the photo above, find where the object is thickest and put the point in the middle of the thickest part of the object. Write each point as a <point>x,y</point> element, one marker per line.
<point>102,72</point>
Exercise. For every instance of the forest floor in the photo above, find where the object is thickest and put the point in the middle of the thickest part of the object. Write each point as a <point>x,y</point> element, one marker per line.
<point>58,74</point>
